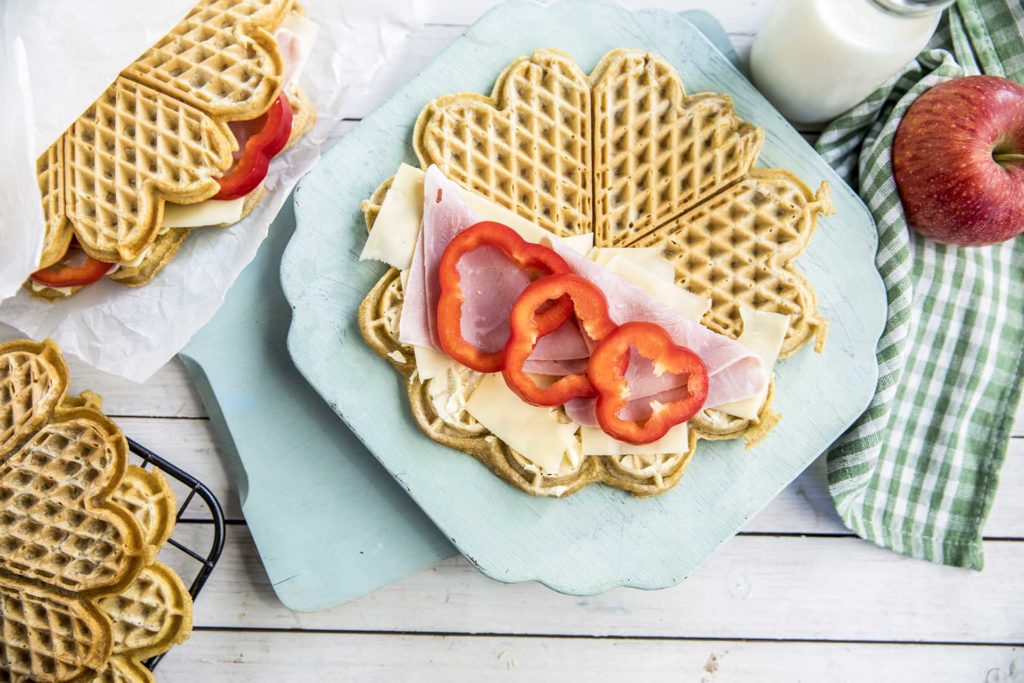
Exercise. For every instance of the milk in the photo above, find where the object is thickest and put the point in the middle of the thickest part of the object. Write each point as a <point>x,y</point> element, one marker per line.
<point>815,59</point>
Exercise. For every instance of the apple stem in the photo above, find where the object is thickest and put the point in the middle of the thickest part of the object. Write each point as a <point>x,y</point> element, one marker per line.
<point>1007,158</point>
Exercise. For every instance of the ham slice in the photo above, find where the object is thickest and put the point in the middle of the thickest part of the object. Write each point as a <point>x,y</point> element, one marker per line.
<point>492,284</point>
<point>734,372</point>
<point>490,281</point>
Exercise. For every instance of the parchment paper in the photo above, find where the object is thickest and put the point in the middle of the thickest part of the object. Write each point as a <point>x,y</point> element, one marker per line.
<point>127,331</point>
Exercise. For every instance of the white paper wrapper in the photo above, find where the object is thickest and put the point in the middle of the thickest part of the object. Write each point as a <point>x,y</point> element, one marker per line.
<point>127,331</point>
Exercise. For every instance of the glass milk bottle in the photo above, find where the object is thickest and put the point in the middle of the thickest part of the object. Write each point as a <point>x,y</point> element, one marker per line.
<point>815,59</point>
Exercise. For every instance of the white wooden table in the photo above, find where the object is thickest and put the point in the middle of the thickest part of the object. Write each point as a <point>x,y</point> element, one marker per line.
<point>794,597</point>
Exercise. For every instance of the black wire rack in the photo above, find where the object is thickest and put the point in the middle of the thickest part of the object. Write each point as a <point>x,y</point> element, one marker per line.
<point>210,513</point>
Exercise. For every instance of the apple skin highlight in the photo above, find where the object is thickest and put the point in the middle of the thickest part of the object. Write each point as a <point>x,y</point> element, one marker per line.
<point>958,159</point>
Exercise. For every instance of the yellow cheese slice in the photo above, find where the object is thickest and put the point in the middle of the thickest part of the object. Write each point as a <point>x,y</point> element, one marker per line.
<point>431,363</point>
<point>690,305</point>
<point>596,442</point>
<point>202,214</point>
<point>533,431</point>
<point>393,238</point>
<point>763,333</point>
<point>649,259</point>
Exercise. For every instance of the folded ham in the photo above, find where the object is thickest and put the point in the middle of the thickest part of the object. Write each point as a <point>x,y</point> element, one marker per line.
<point>492,284</point>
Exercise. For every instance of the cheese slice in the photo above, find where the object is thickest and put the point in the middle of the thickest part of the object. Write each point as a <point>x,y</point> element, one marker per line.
<point>649,259</point>
<point>393,238</point>
<point>306,30</point>
<point>533,431</point>
<point>431,363</point>
<point>763,333</point>
<point>581,244</point>
<point>596,442</point>
<point>202,214</point>
<point>690,305</point>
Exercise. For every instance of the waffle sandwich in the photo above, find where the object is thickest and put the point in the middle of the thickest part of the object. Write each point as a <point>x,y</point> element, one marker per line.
<point>627,156</point>
<point>81,593</point>
<point>180,140</point>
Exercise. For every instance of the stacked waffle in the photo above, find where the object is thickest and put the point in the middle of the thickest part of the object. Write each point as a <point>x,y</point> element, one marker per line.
<point>82,596</point>
<point>627,154</point>
<point>167,132</point>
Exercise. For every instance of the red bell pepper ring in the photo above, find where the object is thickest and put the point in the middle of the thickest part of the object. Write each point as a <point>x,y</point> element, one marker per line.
<point>258,141</point>
<point>528,327</point>
<point>75,269</point>
<point>607,370</point>
<point>535,259</point>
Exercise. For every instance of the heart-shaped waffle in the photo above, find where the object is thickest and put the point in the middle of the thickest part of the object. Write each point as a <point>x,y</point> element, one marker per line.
<point>131,151</point>
<point>665,169</point>
<point>221,58</point>
<point>657,151</point>
<point>527,146</point>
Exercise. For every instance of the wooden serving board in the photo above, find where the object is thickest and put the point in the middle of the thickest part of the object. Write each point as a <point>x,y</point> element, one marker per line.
<point>329,522</point>
<point>600,537</point>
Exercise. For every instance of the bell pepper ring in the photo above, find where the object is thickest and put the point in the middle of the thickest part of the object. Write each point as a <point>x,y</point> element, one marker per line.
<point>607,372</point>
<point>533,258</point>
<point>259,140</point>
<point>527,328</point>
<point>75,269</point>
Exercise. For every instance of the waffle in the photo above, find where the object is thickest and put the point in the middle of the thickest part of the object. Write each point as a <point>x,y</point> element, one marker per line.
<point>158,255</point>
<point>155,611</point>
<point>526,147</point>
<point>133,149</point>
<point>738,248</point>
<point>151,616</point>
<point>47,636</point>
<point>149,498</point>
<point>221,58</point>
<point>33,382</point>
<point>653,167</point>
<point>303,114</point>
<point>66,539</point>
<point>657,151</point>
<point>59,526</point>
<point>50,174</point>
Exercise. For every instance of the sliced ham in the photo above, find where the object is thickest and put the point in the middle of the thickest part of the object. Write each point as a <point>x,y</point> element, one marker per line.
<point>734,372</point>
<point>490,281</point>
<point>492,284</point>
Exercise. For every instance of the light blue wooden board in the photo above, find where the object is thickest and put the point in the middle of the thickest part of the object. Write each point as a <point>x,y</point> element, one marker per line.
<point>329,522</point>
<point>600,537</point>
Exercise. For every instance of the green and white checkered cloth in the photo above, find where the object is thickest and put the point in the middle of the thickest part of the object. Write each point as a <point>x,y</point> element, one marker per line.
<point>918,471</point>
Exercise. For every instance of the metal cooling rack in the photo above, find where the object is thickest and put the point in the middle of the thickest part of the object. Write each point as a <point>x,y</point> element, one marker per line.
<point>204,559</point>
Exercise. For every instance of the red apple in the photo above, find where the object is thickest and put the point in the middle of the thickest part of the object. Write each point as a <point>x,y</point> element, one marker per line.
<point>958,158</point>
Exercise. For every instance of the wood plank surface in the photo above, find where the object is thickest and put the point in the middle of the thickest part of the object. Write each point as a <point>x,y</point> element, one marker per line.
<point>224,656</point>
<point>761,587</point>
<point>794,598</point>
